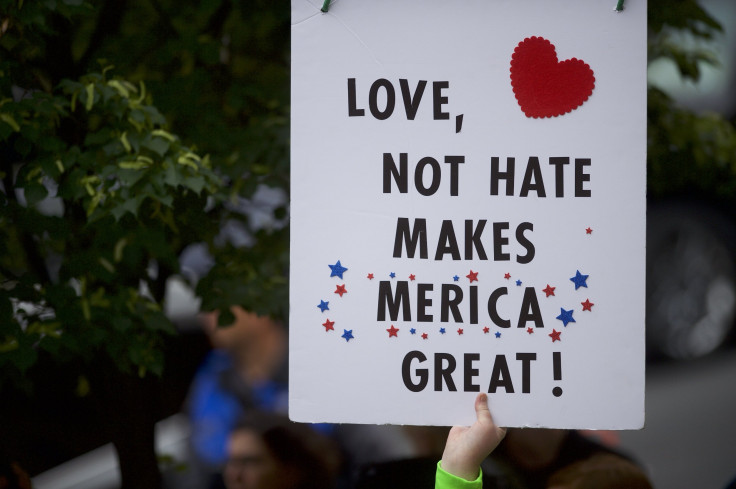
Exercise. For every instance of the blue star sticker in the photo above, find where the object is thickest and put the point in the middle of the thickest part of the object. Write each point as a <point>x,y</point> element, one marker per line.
<point>348,335</point>
<point>498,334</point>
<point>455,278</point>
<point>337,269</point>
<point>566,317</point>
<point>442,330</point>
<point>392,275</point>
<point>324,306</point>
<point>579,280</point>
<point>413,331</point>
<point>518,283</point>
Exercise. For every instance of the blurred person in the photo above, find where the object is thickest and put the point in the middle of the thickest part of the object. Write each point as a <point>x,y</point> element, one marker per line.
<point>600,471</point>
<point>246,370</point>
<point>467,451</point>
<point>267,451</point>
<point>527,457</point>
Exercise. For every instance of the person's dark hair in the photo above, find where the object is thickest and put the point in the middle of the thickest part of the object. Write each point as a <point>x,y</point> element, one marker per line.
<point>601,471</point>
<point>308,455</point>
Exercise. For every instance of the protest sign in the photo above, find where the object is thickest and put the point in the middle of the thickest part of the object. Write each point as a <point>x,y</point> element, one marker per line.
<point>468,212</point>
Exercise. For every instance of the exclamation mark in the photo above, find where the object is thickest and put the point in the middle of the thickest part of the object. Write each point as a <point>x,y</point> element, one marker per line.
<point>557,371</point>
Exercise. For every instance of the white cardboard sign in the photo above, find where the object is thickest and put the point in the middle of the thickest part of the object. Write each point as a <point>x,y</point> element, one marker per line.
<point>468,212</point>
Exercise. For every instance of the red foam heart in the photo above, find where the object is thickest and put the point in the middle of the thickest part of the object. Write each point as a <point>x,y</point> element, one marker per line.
<point>545,87</point>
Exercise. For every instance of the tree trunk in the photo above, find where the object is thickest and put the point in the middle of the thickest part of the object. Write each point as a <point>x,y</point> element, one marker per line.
<point>130,405</point>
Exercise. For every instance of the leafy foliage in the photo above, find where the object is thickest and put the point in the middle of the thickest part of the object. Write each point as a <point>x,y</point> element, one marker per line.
<point>220,72</point>
<point>688,153</point>
<point>98,199</point>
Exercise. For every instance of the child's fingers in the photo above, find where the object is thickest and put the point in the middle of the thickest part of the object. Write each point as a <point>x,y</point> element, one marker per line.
<point>483,415</point>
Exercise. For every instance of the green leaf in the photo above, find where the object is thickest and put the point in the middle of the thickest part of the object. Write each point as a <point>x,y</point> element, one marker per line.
<point>172,176</point>
<point>133,165</point>
<point>90,100</point>
<point>158,145</point>
<point>124,141</point>
<point>34,193</point>
<point>9,120</point>
<point>122,323</point>
<point>23,146</point>
<point>196,183</point>
<point>129,206</point>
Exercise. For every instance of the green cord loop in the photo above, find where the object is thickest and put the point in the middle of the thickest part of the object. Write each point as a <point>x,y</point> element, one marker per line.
<point>325,6</point>
<point>619,6</point>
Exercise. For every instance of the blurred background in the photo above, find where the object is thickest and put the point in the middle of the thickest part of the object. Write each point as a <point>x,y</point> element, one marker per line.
<point>105,273</point>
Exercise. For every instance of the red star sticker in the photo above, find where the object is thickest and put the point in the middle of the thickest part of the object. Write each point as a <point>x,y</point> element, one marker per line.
<point>370,276</point>
<point>392,331</point>
<point>412,277</point>
<point>588,231</point>
<point>460,331</point>
<point>530,330</point>
<point>507,275</point>
<point>555,335</point>
<point>472,276</point>
<point>425,336</point>
<point>587,305</point>
<point>341,290</point>
<point>329,325</point>
<point>486,329</point>
<point>549,290</point>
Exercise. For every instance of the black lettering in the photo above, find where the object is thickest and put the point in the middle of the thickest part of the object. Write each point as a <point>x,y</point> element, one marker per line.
<point>528,245</point>
<point>390,99</point>
<point>447,242</point>
<point>353,111</point>
<point>493,308</point>
<point>454,161</point>
<point>423,303</point>
<point>526,374</point>
<point>439,99</point>
<point>410,238</point>
<point>472,239</point>
<point>499,241</point>
<point>473,304</point>
<point>500,376</point>
<point>581,177</point>
<point>533,179</point>
<point>444,373</point>
<point>530,311</point>
<point>450,304</point>
<point>470,372</point>
<point>419,176</point>
<point>559,164</point>
<point>497,175</point>
<point>422,373</point>
<point>411,104</point>
<point>387,300</point>
<point>400,174</point>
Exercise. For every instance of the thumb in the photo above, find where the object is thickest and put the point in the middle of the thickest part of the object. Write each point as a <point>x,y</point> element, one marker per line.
<point>484,418</point>
<point>482,413</point>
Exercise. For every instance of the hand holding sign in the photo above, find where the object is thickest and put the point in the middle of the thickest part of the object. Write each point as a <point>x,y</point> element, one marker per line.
<point>468,446</point>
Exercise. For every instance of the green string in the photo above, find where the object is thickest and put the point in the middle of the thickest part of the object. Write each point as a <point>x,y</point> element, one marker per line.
<point>619,6</point>
<point>326,6</point>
